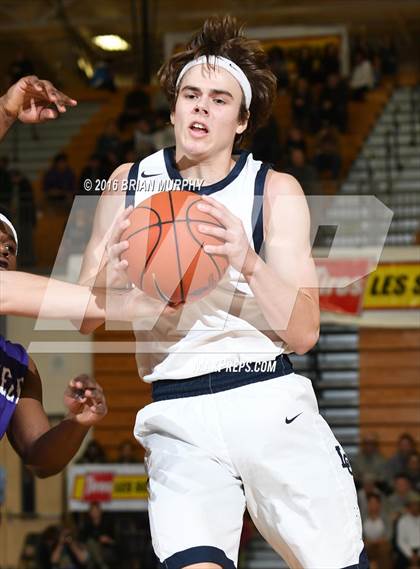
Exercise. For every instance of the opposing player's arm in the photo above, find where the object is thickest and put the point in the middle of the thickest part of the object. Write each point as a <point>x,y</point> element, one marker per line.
<point>44,450</point>
<point>93,270</point>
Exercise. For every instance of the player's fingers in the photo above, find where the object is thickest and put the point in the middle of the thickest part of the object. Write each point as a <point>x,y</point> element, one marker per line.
<point>48,114</point>
<point>212,230</point>
<point>215,249</point>
<point>116,250</point>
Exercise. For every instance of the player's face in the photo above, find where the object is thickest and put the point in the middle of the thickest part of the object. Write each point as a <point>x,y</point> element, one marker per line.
<point>206,113</point>
<point>7,251</point>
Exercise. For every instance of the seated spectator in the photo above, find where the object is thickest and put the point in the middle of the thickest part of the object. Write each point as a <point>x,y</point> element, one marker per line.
<point>109,141</point>
<point>369,459</point>
<point>304,173</point>
<point>327,158</point>
<point>278,65</point>
<point>362,78</point>
<point>397,500</point>
<point>23,211</point>
<point>397,464</point>
<point>136,103</point>
<point>305,64</point>
<point>333,101</point>
<point>295,139</point>
<point>103,77</point>
<point>265,143</point>
<point>301,99</point>
<point>377,533</point>
<point>330,60</point>
<point>110,162</point>
<point>94,454</point>
<point>97,535</point>
<point>368,487</point>
<point>163,135</point>
<point>413,470</point>
<point>60,181</point>
<point>408,534</point>
<point>59,549</point>
<point>143,138</point>
<point>127,453</point>
<point>94,172</point>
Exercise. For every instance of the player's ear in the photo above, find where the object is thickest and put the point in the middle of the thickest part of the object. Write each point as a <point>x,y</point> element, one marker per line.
<point>172,118</point>
<point>242,125</point>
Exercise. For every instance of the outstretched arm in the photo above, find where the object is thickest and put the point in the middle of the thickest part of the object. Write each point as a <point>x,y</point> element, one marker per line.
<point>46,451</point>
<point>32,100</point>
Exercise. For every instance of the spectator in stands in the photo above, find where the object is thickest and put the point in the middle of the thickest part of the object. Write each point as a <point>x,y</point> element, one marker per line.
<point>127,453</point>
<point>301,99</point>
<point>97,534</point>
<point>369,459</point>
<point>103,77</point>
<point>60,181</point>
<point>60,549</point>
<point>333,101</point>
<point>327,158</point>
<point>305,173</point>
<point>362,77</point>
<point>94,171</point>
<point>388,53</point>
<point>368,487</point>
<point>397,500</point>
<point>398,462</point>
<point>143,138</point>
<point>305,64</point>
<point>20,67</point>
<point>265,143</point>
<point>136,103</point>
<point>94,454</point>
<point>295,139</point>
<point>377,533</point>
<point>330,60</point>
<point>278,65</point>
<point>408,534</point>
<point>109,140</point>
<point>163,135</point>
<point>413,470</point>
<point>23,211</point>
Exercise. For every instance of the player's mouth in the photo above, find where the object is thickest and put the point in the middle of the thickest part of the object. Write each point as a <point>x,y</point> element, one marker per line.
<point>4,264</point>
<point>198,129</point>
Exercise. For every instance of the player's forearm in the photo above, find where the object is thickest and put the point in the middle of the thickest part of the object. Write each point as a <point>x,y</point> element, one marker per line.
<point>53,450</point>
<point>291,312</point>
<point>6,118</point>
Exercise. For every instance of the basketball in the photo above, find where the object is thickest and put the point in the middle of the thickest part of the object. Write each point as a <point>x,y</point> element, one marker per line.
<point>166,257</point>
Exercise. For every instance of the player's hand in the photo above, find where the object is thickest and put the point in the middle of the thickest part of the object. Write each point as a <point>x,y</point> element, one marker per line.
<point>236,246</point>
<point>33,100</point>
<point>137,305</point>
<point>85,401</point>
<point>116,275</point>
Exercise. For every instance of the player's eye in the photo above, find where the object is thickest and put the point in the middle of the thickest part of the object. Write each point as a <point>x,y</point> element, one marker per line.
<point>219,101</point>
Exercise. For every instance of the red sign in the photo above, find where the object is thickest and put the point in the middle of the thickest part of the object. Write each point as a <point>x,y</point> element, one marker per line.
<point>335,294</point>
<point>98,487</point>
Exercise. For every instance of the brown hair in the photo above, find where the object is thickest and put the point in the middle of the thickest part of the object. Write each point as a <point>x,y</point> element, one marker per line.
<point>221,35</point>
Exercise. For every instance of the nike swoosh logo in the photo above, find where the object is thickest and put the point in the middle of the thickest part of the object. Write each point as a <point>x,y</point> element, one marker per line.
<point>144,175</point>
<point>288,421</point>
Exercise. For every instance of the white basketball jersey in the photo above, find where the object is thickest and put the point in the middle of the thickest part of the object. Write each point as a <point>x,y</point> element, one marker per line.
<point>226,327</point>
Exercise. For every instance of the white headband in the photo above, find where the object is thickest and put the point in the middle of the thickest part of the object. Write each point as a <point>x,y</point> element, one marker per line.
<point>227,64</point>
<point>9,224</point>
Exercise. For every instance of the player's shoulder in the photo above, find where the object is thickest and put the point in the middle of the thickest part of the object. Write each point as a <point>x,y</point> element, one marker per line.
<point>13,351</point>
<point>280,183</point>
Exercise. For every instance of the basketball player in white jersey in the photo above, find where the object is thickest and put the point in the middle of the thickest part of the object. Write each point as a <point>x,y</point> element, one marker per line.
<point>223,433</point>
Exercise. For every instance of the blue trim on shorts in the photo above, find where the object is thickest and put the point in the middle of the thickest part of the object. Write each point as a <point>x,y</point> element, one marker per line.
<point>363,562</point>
<point>217,381</point>
<point>201,554</point>
<point>130,195</point>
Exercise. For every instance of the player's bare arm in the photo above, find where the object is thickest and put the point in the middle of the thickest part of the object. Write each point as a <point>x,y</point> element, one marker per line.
<point>32,100</point>
<point>46,451</point>
<point>284,285</point>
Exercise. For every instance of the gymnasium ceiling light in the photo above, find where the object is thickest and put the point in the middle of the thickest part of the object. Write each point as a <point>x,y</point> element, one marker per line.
<point>111,42</point>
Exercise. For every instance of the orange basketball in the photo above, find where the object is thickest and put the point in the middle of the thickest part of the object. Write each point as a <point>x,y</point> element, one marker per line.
<point>166,257</point>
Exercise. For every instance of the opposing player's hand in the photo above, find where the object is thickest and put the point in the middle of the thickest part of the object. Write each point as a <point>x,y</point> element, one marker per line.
<point>236,246</point>
<point>33,100</point>
<point>85,400</point>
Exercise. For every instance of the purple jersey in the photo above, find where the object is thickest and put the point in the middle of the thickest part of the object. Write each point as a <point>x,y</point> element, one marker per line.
<point>13,367</point>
